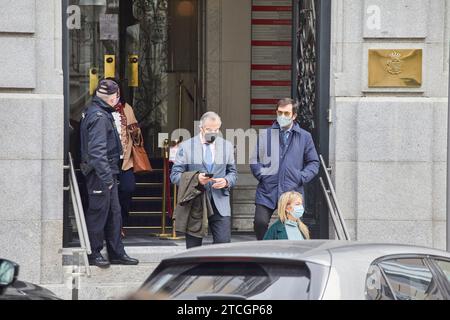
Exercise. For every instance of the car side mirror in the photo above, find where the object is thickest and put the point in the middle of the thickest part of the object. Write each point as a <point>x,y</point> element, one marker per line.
<point>9,271</point>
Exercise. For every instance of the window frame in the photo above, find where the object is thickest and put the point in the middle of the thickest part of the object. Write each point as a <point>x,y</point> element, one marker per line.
<point>443,277</point>
<point>428,261</point>
<point>383,274</point>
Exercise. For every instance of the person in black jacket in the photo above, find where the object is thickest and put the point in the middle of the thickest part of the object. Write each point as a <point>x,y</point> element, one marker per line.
<point>101,150</point>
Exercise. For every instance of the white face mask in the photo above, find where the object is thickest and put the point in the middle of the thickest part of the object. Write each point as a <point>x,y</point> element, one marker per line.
<point>284,122</point>
<point>298,211</point>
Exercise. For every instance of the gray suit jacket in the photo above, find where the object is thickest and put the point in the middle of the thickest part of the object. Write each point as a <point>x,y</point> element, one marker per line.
<point>190,158</point>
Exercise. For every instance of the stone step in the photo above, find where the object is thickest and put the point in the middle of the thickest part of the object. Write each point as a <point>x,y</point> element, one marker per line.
<point>111,291</point>
<point>155,254</point>
<point>117,281</point>
<point>244,225</point>
<point>145,254</point>
<point>156,176</point>
<point>246,179</point>
<point>244,193</point>
<point>149,258</point>
<point>245,187</point>
<point>115,274</point>
<point>243,208</point>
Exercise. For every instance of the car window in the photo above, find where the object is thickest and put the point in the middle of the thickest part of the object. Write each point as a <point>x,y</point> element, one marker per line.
<point>377,287</point>
<point>247,280</point>
<point>411,279</point>
<point>445,267</point>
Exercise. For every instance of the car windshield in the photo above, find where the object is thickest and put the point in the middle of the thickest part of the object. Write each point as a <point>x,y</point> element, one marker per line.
<point>245,280</point>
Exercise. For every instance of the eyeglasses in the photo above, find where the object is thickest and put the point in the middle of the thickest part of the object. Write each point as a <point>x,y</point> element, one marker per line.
<point>287,114</point>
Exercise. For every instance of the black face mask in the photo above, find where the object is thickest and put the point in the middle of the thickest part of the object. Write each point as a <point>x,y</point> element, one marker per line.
<point>211,137</point>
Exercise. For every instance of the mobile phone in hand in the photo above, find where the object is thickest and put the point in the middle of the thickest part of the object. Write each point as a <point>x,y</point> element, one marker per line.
<point>209,175</point>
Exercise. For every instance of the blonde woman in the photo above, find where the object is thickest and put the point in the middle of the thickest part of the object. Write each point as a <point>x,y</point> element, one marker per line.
<point>289,226</point>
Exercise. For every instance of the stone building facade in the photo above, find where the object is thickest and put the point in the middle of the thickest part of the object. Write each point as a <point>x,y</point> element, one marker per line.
<point>387,146</point>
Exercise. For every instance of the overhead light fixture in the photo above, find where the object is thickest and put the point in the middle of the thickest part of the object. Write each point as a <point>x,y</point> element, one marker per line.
<point>185,8</point>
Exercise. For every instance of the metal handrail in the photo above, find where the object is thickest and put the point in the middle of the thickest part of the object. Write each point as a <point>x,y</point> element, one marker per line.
<point>331,209</point>
<point>333,205</point>
<point>85,245</point>
<point>193,99</point>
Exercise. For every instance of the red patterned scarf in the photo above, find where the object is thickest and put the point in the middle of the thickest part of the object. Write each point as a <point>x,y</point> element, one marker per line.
<point>120,108</point>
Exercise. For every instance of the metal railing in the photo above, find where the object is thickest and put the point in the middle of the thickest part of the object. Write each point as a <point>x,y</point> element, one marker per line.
<point>85,246</point>
<point>333,205</point>
<point>193,97</point>
<point>166,197</point>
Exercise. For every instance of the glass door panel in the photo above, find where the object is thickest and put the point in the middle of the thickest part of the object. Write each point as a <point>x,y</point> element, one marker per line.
<point>152,48</point>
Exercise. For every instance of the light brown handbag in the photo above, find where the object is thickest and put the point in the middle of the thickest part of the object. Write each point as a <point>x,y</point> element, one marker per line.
<point>141,163</point>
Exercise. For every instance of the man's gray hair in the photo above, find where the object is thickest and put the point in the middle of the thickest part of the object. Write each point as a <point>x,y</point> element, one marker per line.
<point>210,116</point>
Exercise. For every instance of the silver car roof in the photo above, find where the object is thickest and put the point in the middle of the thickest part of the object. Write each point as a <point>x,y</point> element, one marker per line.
<point>316,251</point>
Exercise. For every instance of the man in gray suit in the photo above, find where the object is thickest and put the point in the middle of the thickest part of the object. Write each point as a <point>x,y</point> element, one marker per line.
<point>213,156</point>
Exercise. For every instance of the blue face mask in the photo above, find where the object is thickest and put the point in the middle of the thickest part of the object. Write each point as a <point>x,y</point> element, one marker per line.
<point>298,211</point>
<point>284,122</point>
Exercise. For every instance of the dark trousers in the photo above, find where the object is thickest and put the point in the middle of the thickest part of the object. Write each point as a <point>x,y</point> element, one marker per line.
<point>103,218</point>
<point>262,220</point>
<point>126,190</point>
<point>219,226</point>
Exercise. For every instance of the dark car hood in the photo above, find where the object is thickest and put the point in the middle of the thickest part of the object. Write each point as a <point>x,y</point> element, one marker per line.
<point>21,290</point>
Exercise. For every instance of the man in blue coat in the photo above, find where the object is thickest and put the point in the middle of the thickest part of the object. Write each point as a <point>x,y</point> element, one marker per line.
<point>286,159</point>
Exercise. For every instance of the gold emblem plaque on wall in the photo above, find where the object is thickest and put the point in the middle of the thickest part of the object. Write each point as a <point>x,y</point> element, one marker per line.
<point>395,68</point>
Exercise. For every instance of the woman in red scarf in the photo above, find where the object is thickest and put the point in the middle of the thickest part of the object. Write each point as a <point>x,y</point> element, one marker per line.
<point>128,128</point>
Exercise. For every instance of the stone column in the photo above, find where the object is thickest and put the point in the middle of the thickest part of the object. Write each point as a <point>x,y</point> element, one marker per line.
<point>31,160</point>
<point>388,145</point>
<point>228,87</point>
<point>228,60</point>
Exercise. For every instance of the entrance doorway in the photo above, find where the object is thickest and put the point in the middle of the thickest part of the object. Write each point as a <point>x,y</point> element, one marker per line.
<point>155,49</point>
